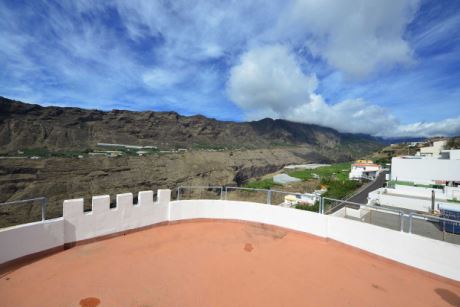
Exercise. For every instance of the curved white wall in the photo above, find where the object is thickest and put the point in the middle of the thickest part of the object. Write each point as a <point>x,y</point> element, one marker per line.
<point>427,254</point>
<point>23,240</point>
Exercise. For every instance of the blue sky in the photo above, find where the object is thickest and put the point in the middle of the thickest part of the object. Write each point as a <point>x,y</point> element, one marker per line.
<point>383,67</point>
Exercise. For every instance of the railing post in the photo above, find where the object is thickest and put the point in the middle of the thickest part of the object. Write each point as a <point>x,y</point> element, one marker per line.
<point>444,230</point>
<point>401,221</point>
<point>226,193</point>
<point>44,203</point>
<point>178,194</point>
<point>221,193</point>
<point>410,222</point>
<point>321,204</point>
<point>269,197</point>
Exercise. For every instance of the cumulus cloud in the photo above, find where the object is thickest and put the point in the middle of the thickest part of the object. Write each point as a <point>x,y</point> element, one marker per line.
<point>270,56</point>
<point>269,82</point>
<point>274,66</point>
<point>355,36</point>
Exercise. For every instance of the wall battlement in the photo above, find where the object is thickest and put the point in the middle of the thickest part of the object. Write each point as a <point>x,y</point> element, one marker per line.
<point>103,220</point>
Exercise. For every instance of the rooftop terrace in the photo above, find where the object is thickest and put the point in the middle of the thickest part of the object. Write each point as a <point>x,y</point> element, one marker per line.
<point>217,263</point>
<point>197,252</point>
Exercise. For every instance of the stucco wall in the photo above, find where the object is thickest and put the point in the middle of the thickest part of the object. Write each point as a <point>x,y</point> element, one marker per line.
<point>23,240</point>
<point>103,220</point>
<point>430,255</point>
<point>427,254</point>
<point>238,210</point>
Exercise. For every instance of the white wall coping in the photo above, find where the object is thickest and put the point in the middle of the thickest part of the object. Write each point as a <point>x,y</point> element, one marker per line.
<point>434,256</point>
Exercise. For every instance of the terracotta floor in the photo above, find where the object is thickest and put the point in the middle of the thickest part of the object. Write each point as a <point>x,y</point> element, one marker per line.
<point>215,263</point>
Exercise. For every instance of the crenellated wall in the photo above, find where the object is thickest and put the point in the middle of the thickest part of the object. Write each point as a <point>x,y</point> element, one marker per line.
<point>103,220</point>
<point>427,254</point>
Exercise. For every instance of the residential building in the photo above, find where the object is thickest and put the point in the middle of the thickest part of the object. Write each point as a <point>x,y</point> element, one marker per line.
<point>364,169</point>
<point>433,151</point>
<point>421,183</point>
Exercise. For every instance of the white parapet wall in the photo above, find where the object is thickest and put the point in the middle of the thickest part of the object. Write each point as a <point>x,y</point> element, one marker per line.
<point>295,219</point>
<point>103,220</point>
<point>427,254</point>
<point>430,255</point>
<point>27,239</point>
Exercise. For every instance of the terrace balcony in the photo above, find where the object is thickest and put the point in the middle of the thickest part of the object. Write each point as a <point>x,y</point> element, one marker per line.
<point>202,252</point>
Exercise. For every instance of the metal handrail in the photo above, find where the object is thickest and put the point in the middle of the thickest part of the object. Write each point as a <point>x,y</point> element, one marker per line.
<point>43,204</point>
<point>401,213</point>
<point>363,205</point>
<point>179,188</point>
<point>269,195</point>
<point>266,190</point>
<point>433,219</point>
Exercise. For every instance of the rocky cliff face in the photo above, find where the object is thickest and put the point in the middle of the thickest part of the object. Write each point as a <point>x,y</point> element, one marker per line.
<point>64,178</point>
<point>263,147</point>
<point>32,126</point>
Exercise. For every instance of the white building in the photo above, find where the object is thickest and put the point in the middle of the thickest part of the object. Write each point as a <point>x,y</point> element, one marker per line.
<point>364,169</point>
<point>433,151</point>
<point>421,170</point>
<point>416,179</point>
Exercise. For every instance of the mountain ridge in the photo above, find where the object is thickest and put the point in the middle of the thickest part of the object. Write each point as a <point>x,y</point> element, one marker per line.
<point>69,128</point>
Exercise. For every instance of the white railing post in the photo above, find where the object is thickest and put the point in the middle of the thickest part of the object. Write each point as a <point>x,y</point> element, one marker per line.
<point>44,203</point>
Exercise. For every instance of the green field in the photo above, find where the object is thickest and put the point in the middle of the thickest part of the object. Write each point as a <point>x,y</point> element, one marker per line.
<point>261,184</point>
<point>334,177</point>
<point>339,171</point>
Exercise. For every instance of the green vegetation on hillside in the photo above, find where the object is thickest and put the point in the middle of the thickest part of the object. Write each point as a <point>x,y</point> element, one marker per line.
<point>453,143</point>
<point>261,184</point>
<point>340,189</point>
<point>45,153</point>
<point>334,177</point>
<point>339,170</point>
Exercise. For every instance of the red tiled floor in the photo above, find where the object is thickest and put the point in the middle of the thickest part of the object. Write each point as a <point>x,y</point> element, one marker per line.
<point>217,263</point>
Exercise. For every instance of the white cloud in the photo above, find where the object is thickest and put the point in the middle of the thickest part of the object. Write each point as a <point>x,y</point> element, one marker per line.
<point>178,54</point>
<point>275,66</point>
<point>159,78</point>
<point>357,37</point>
<point>449,126</point>
<point>269,82</point>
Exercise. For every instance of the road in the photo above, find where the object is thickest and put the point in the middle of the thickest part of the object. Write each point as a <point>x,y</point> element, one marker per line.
<point>361,196</point>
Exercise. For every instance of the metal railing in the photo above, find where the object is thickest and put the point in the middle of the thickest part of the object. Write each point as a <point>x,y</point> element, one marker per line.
<point>418,224</point>
<point>250,194</point>
<point>180,190</point>
<point>370,217</point>
<point>432,226</point>
<point>265,196</point>
<point>41,200</point>
<point>426,225</point>
<point>18,212</point>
